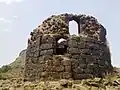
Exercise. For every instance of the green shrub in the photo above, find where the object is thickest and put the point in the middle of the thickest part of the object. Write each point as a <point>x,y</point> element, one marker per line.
<point>4,69</point>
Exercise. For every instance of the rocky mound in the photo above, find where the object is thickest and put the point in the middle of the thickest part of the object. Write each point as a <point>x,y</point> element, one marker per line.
<point>14,69</point>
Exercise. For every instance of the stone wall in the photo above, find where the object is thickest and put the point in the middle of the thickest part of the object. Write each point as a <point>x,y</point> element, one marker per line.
<point>50,68</point>
<point>89,57</point>
<point>83,56</point>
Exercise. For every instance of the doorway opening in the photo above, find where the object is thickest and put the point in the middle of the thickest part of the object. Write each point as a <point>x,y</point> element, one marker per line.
<point>61,46</point>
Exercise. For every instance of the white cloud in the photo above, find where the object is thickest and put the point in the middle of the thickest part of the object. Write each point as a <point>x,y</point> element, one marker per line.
<point>15,17</point>
<point>6,30</point>
<point>5,20</point>
<point>9,1</point>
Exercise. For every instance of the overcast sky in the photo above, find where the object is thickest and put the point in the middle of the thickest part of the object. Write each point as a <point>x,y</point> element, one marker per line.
<point>19,17</point>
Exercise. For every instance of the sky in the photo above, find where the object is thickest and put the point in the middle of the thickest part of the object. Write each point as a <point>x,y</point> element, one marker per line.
<point>19,17</point>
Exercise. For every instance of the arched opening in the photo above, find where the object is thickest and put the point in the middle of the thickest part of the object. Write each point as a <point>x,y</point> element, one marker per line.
<point>61,46</point>
<point>73,27</point>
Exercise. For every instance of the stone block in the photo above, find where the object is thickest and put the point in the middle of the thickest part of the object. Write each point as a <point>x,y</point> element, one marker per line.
<point>34,60</point>
<point>50,62</point>
<point>67,75</point>
<point>55,75</point>
<point>53,69</point>
<point>33,49</point>
<point>41,60</point>
<point>30,54</point>
<point>93,46</point>
<point>38,42</point>
<point>82,61</point>
<point>44,74</point>
<point>88,71</point>
<point>74,62</point>
<point>66,62</point>
<point>46,52</point>
<point>56,62</point>
<point>101,62</point>
<point>73,51</point>
<point>50,52</point>
<point>81,45</point>
<point>82,65</point>
<point>60,68</point>
<point>90,58</point>
<point>96,53</point>
<point>76,56</point>
<point>68,68</point>
<point>37,53</point>
<point>85,51</point>
<point>77,70</point>
<point>40,68</point>
<point>58,58</point>
<point>47,39</point>
<point>68,55</point>
<point>49,68</point>
<point>46,46</point>
<point>72,44</point>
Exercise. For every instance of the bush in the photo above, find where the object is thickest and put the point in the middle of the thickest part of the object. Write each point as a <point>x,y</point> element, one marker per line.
<point>4,69</point>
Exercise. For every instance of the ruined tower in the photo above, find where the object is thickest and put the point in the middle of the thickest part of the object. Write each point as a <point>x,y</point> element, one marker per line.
<point>84,56</point>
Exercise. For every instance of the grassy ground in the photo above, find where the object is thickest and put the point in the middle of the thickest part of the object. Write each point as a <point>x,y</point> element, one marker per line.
<point>108,83</point>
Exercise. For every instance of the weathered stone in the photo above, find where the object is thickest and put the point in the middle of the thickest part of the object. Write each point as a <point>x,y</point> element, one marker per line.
<point>81,45</point>
<point>44,74</point>
<point>68,68</point>
<point>65,83</point>
<point>85,51</point>
<point>41,68</point>
<point>56,62</point>
<point>77,70</point>
<point>73,51</point>
<point>76,57</point>
<point>72,43</point>
<point>46,46</point>
<point>41,60</point>
<point>60,68</point>
<point>47,52</point>
<point>83,65</point>
<point>67,75</point>
<point>47,39</point>
<point>37,53</point>
<point>34,60</point>
<point>66,62</point>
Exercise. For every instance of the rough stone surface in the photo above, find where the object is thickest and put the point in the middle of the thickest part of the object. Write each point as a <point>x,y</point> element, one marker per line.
<point>84,56</point>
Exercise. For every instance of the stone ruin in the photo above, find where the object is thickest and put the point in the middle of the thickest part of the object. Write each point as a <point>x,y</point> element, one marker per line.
<point>76,57</point>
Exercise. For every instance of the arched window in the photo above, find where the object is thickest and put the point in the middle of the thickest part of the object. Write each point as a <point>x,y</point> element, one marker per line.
<point>73,27</point>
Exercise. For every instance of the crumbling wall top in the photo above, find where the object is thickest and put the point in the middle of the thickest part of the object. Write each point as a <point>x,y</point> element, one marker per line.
<point>59,24</point>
